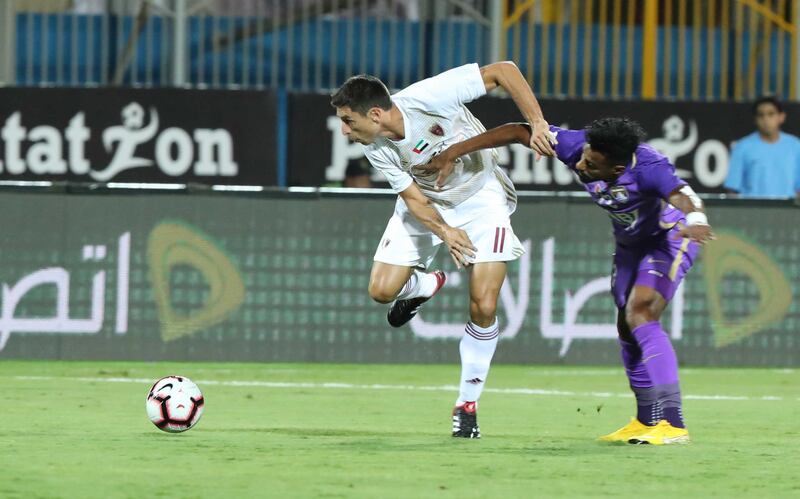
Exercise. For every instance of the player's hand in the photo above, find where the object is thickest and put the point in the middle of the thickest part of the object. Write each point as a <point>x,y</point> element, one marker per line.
<point>700,234</point>
<point>461,248</point>
<point>543,141</point>
<point>442,164</point>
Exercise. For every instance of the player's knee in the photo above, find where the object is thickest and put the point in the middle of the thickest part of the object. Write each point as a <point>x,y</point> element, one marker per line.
<point>380,294</point>
<point>483,311</point>
<point>640,312</point>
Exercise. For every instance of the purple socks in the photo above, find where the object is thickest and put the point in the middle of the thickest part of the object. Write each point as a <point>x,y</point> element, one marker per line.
<point>656,368</point>
<point>647,409</point>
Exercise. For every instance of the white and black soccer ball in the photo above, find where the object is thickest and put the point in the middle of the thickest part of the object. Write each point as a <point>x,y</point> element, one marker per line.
<point>174,404</point>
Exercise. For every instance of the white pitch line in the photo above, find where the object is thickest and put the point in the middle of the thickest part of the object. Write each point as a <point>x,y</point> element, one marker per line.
<point>350,386</point>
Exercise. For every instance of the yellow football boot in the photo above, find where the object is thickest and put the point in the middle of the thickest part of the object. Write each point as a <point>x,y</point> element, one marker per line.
<point>661,434</point>
<point>635,427</point>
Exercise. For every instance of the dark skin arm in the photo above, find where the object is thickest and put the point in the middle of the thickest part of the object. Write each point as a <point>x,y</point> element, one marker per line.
<point>444,162</point>
<point>520,133</point>
<point>461,248</point>
<point>700,234</point>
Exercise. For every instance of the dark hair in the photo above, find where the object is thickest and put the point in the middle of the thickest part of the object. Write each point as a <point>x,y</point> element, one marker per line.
<point>767,99</point>
<point>361,93</point>
<point>615,138</point>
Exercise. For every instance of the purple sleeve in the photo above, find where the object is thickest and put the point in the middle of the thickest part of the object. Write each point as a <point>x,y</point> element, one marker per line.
<point>570,144</point>
<point>658,178</point>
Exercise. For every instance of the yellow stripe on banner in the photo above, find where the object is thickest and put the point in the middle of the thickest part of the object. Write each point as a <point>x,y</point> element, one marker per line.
<point>696,28</point>
<point>631,25</point>
<point>519,11</point>
<point>572,72</point>
<point>765,11</point>
<point>752,63</point>
<point>558,87</point>
<point>615,53</point>
<point>779,64</point>
<point>676,264</point>
<point>588,56</point>
<point>601,55</point>
<point>516,40</point>
<point>544,53</point>
<point>682,61</point>
<point>793,63</point>
<point>666,85</point>
<point>532,47</point>
<point>650,50</point>
<point>710,42</point>
<point>738,54</point>
<point>766,62</point>
<point>725,27</point>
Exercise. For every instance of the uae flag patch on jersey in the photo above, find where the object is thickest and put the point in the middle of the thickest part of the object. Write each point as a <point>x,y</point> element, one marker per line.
<point>421,146</point>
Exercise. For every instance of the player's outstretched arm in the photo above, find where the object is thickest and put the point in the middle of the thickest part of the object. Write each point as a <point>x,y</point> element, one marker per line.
<point>697,228</point>
<point>444,162</point>
<point>461,248</point>
<point>507,75</point>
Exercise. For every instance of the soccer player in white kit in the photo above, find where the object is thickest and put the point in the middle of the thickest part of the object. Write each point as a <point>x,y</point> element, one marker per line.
<point>469,213</point>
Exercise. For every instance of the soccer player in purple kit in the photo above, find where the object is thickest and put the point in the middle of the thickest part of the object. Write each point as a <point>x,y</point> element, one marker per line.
<point>658,223</point>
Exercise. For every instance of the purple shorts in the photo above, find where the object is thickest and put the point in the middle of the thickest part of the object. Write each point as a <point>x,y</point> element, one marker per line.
<point>659,263</point>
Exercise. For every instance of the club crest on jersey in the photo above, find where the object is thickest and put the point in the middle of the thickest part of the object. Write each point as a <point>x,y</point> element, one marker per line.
<point>620,194</point>
<point>421,146</point>
<point>437,130</point>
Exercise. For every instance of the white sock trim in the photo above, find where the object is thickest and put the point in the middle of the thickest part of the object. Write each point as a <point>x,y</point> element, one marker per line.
<point>483,333</point>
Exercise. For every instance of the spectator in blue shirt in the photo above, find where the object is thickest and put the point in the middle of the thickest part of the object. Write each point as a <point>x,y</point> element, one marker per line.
<point>766,163</point>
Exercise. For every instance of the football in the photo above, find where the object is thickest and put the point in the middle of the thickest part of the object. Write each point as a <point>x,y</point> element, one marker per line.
<point>174,404</point>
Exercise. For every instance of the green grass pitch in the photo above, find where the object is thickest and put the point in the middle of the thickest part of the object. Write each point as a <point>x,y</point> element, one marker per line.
<point>79,429</point>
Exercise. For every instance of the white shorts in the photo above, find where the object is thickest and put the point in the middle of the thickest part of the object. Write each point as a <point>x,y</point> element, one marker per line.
<point>484,217</point>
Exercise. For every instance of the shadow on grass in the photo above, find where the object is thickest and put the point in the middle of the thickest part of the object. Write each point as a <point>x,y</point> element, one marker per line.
<point>315,432</point>
<point>365,439</point>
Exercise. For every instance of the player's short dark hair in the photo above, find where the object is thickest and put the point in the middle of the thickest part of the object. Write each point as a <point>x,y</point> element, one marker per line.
<point>615,138</point>
<point>361,93</point>
<point>767,99</point>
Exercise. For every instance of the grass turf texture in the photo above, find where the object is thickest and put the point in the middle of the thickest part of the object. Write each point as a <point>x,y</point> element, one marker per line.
<point>68,437</point>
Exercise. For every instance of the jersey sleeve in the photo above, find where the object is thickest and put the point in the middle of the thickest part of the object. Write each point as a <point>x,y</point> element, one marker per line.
<point>447,91</point>
<point>735,179</point>
<point>397,178</point>
<point>659,178</point>
<point>570,145</point>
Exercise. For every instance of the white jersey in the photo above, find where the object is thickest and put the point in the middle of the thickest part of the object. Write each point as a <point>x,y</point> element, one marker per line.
<point>435,117</point>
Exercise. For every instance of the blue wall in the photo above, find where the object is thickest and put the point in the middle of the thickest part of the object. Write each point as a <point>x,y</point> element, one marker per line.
<point>327,42</point>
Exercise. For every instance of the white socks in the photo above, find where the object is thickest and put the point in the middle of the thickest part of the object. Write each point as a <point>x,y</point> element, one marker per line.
<point>419,284</point>
<point>477,349</point>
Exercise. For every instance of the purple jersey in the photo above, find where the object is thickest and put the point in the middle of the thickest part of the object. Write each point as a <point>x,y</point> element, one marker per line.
<point>636,201</point>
